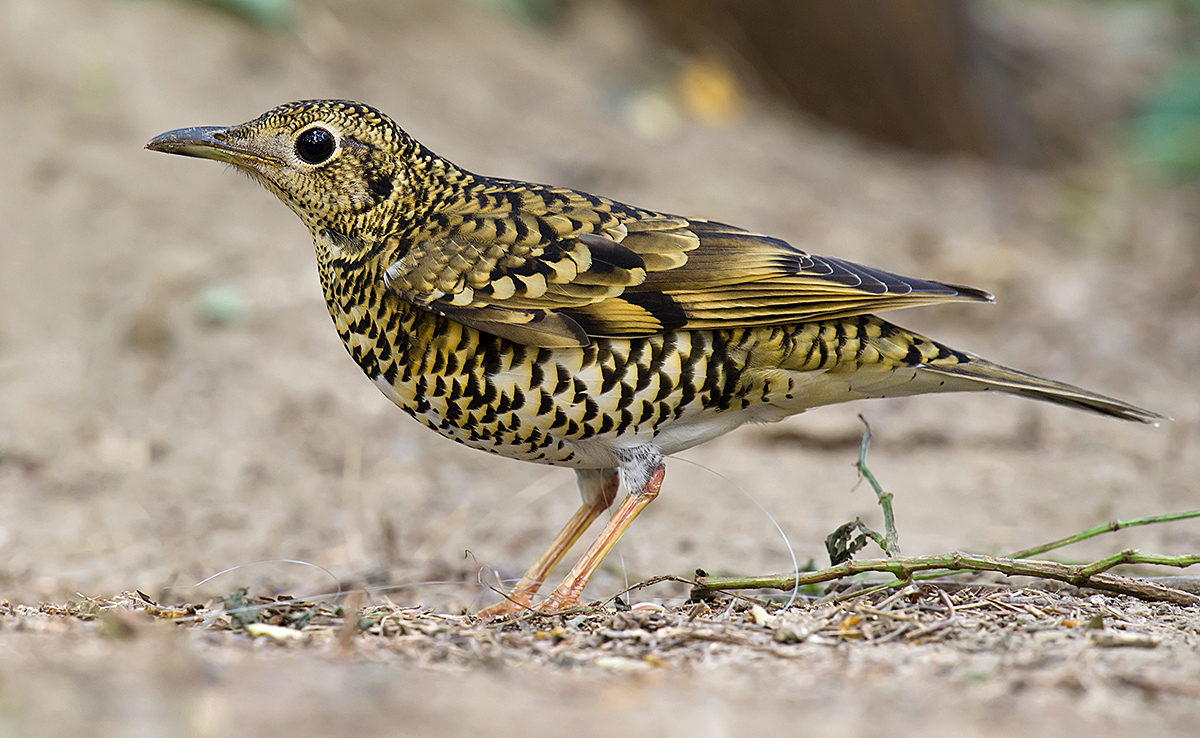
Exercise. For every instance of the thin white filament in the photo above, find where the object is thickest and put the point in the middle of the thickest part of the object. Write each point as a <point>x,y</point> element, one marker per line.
<point>774,522</point>
<point>298,562</point>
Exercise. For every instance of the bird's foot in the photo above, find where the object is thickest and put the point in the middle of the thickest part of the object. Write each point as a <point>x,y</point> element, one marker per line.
<point>563,599</point>
<point>515,602</point>
<point>519,604</point>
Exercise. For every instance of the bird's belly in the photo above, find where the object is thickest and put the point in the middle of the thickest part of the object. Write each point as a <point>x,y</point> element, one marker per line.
<point>580,407</point>
<point>574,407</point>
<point>586,431</point>
<point>506,437</point>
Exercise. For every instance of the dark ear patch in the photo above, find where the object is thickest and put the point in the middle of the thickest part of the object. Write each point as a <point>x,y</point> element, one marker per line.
<point>380,187</point>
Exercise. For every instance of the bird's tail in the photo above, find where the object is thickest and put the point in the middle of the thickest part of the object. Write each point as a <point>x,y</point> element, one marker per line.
<point>981,374</point>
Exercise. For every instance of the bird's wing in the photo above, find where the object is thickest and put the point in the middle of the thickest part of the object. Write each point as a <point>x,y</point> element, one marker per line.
<point>552,267</point>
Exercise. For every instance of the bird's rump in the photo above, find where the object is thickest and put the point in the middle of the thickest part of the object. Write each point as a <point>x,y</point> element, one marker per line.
<point>553,267</point>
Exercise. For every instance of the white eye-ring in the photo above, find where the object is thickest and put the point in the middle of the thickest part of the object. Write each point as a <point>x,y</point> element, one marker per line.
<point>315,145</point>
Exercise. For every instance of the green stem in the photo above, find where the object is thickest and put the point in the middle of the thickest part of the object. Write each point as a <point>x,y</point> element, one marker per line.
<point>1090,575</point>
<point>891,539</point>
<point>1109,527</point>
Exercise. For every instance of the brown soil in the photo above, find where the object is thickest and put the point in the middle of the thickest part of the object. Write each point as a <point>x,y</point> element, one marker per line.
<point>176,404</point>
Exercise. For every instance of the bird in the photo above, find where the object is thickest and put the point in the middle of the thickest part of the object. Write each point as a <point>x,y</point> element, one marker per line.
<point>548,324</point>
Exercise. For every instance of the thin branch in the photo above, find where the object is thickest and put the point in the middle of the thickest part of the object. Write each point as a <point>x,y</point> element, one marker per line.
<point>1089,575</point>
<point>1109,527</point>
<point>891,539</point>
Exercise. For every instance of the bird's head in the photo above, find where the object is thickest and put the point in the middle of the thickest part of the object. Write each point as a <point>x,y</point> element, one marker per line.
<point>345,168</point>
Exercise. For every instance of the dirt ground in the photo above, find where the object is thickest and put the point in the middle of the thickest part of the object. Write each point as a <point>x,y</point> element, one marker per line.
<point>175,404</point>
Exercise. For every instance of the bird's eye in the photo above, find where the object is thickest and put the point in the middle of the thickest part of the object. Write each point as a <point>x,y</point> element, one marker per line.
<point>315,145</point>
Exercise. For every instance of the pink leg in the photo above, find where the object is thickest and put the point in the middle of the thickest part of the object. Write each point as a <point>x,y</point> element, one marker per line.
<point>646,470</point>
<point>598,487</point>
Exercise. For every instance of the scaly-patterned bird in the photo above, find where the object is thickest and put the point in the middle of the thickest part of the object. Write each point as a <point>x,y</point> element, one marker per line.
<point>551,325</point>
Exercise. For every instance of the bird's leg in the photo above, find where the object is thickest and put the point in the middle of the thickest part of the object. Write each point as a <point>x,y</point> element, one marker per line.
<point>598,488</point>
<point>642,470</point>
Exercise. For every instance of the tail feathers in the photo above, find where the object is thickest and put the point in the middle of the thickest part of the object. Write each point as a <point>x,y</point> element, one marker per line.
<point>980,374</point>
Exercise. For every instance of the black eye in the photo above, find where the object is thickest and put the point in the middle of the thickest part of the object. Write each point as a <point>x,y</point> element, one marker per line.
<point>315,145</point>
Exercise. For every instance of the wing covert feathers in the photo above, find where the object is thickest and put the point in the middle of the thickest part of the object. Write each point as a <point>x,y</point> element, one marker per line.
<point>553,267</point>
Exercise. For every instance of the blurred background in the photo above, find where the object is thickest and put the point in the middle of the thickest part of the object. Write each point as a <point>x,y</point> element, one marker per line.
<point>174,401</point>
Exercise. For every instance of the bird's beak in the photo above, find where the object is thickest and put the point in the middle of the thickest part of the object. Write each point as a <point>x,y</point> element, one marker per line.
<point>205,142</point>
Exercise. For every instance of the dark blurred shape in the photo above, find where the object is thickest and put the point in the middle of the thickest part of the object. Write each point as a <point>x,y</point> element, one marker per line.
<point>905,72</point>
<point>937,76</point>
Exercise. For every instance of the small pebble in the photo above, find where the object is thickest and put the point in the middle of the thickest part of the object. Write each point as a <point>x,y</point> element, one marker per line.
<point>647,607</point>
<point>1114,639</point>
<point>760,615</point>
<point>274,632</point>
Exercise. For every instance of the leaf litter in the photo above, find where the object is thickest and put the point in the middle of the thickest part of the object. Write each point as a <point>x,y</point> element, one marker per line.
<point>973,619</point>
